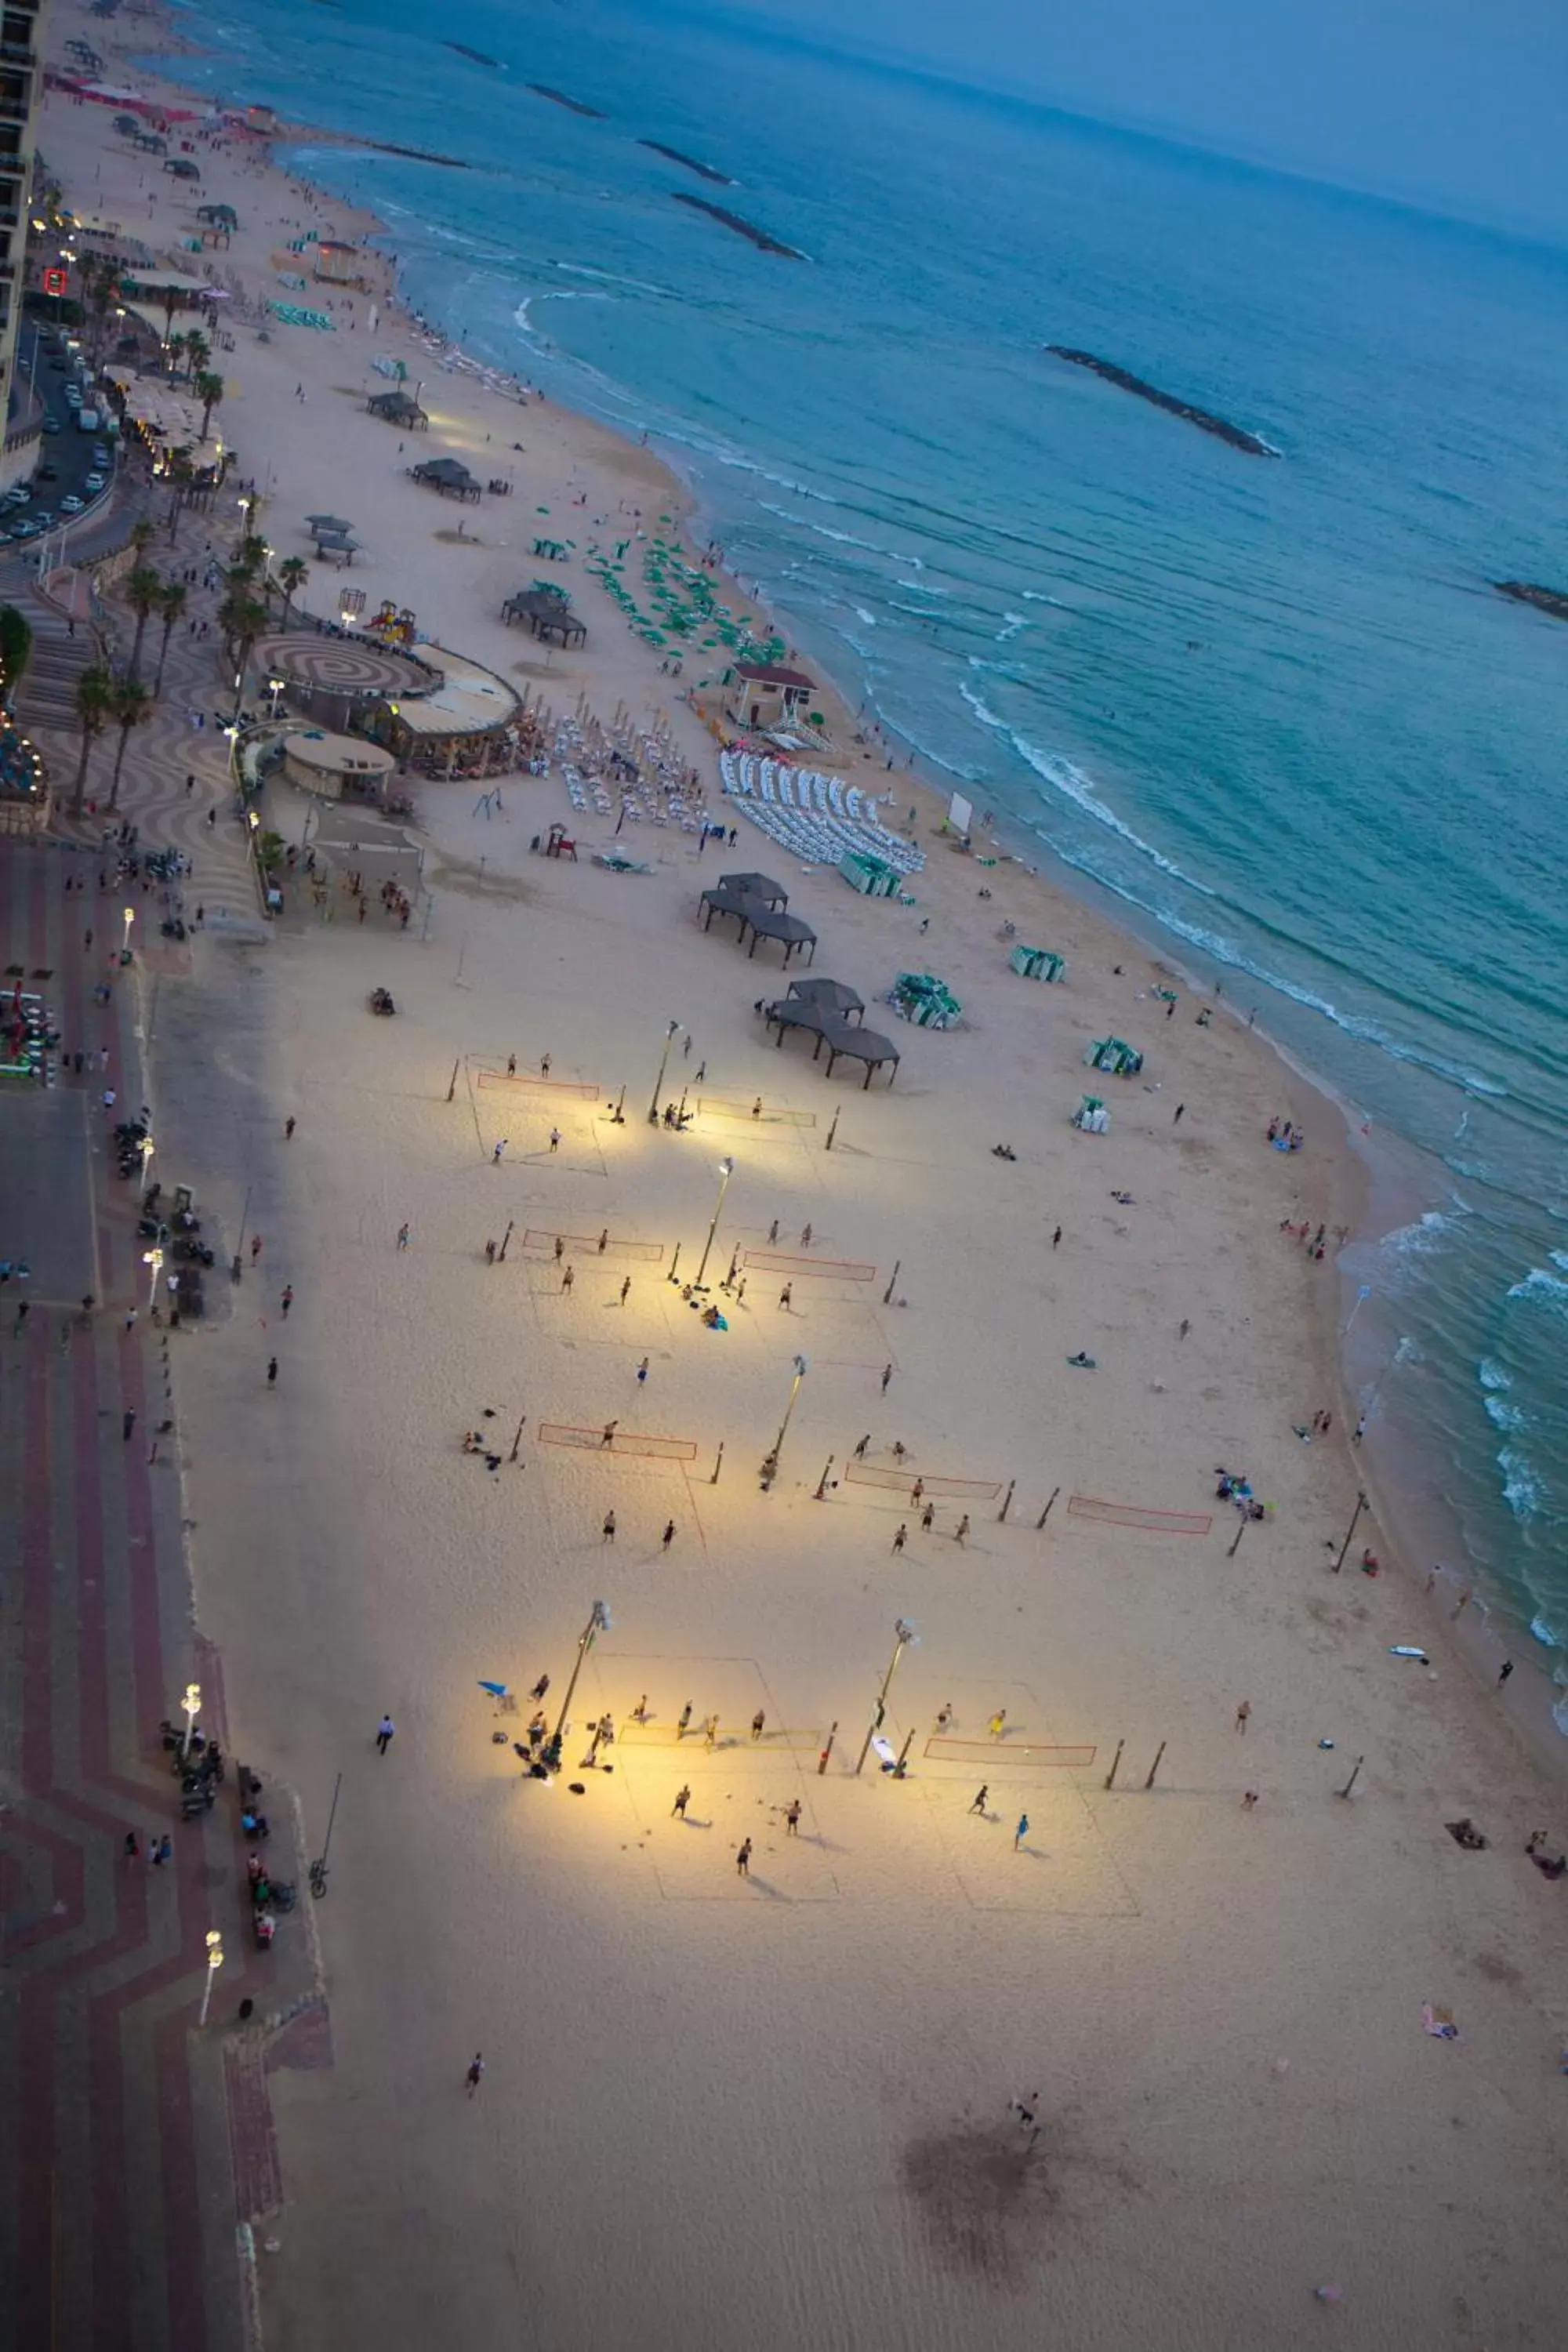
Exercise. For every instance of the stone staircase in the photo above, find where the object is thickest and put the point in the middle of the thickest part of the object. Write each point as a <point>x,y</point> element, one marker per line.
<point>48,694</point>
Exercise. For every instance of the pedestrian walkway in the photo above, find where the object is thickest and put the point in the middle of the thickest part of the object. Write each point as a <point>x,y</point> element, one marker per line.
<point>117,2209</point>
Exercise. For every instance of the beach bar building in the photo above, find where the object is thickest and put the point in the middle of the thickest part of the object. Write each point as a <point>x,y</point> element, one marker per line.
<point>762,696</point>
<point>338,767</point>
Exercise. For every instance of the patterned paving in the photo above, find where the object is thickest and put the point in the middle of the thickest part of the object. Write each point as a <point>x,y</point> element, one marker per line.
<point>347,665</point>
<point>131,2144</point>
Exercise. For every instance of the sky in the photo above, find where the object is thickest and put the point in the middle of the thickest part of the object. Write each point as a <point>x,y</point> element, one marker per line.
<point>1460,105</point>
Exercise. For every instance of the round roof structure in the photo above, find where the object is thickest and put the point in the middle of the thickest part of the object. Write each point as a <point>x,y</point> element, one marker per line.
<point>316,753</point>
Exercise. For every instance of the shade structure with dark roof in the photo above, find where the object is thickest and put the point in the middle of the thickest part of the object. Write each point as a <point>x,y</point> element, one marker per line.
<point>769,673</point>
<point>762,921</point>
<point>760,886</point>
<point>843,1039</point>
<point>828,996</point>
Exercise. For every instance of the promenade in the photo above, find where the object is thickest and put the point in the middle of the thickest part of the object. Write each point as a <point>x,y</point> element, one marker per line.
<point>128,2160</point>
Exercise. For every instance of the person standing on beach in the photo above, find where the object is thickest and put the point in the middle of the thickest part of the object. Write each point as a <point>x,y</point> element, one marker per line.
<point>684,1721</point>
<point>980,1794</point>
<point>495,1156</point>
<point>625,1287</point>
<point>567,1278</point>
<point>608,1532</point>
<point>901,1539</point>
<point>642,1374</point>
<point>1021,1832</point>
<point>1242,1713</point>
<point>287,1299</point>
<point>757,1722</point>
<point>786,1293</point>
<point>960,1530</point>
<point>928,1518</point>
<point>1055,1238</point>
<point>555,1139</point>
<point>887,1376</point>
<point>402,1237</point>
<point>744,1859</point>
<point>669,1536</point>
<point>475,2074</point>
<point>607,1435</point>
<point>792,1818</point>
<point>683,1798</point>
<point>996,1722</point>
<point>1504,1671</point>
<point>860,1449</point>
<point>385,1731</point>
<point>288,1125</point>
<point>271,1372</point>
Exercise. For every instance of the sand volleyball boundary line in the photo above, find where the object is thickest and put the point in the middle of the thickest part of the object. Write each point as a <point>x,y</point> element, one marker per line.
<point>1130,1515</point>
<point>714,1106</point>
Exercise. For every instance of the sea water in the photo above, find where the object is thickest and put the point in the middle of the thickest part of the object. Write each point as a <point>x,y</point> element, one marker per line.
<point>1270,706</point>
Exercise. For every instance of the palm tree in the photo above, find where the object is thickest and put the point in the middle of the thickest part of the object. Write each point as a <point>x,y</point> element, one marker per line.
<point>292,574</point>
<point>198,352</point>
<point>179,472</point>
<point>130,706</point>
<point>143,534</point>
<point>242,619</point>
<point>176,348</point>
<point>171,604</point>
<point>208,389</point>
<point>94,693</point>
<point>143,591</point>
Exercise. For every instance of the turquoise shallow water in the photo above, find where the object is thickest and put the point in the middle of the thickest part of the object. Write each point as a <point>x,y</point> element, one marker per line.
<point>1272,708</point>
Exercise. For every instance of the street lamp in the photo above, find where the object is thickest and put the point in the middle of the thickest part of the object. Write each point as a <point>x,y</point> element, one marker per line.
<point>190,1705</point>
<point>771,1466</point>
<point>275,686</point>
<point>154,1260</point>
<point>669,1037</point>
<point>125,942</point>
<point>214,1962</point>
<point>726,1170</point>
<point>903,1633</point>
<point>599,1622</point>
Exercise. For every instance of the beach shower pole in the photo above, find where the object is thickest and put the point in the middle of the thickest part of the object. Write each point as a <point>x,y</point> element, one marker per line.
<point>822,1482</point>
<point>1154,1768</point>
<point>1115,1760</point>
<point>903,1632</point>
<point>517,1440</point>
<point>831,1132</point>
<point>1008,1499</point>
<point>1350,1531</point>
<point>1355,1774</point>
<point>718,1464</point>
<point>726,1170</point>
<point>452,1081</point>
<point>669,1037</point>
<point>599,1622</point>
<point>887,1294</point>
<point>1046,1514</point>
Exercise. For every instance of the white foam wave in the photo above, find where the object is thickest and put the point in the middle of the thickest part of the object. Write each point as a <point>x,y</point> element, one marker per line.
<point>1549,1289</point>
<point>922,587</point>
<point>1491,1375</point>
<point>609,277</point>
<point>1035,596</point>
<point>1522,1487</point>
<point>1070,782</point>
<point>1011,625</point>
<point>1559,1258</point>
<point>1505,1416</point>
<point>862,614</point>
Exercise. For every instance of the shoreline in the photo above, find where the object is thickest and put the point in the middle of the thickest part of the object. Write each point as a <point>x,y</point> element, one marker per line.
<point>1353,1191</point>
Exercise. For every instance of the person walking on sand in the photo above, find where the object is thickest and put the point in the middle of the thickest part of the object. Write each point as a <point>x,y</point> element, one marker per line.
<point>476,2072</point>
<point>255,1247</point>
<point>625,1287</point>
<point>385,1731</point>
<point>567,1278</point>
<point>669,1536</point>
<point>132,1847</point>
<point>887,1376</point>
<point>489,1252</point>
<point>711,1732</point>
<point>980,1794</point>
<point>607,1435</point>
<point>774,1232</point>
<point>1242,1712</point>
<point>805,1237</point>
<point>608,1533</point>
<point>642,1374</point>
<point>402,1237</point>
<point>287,1300</point>
<point>786,1293</point>
<point>127,1424</point>
<point>539,1687</point>
<point>901,1539</point>
<point>744,1859</point>
<point>289,1131</point>
<point>1504,1671</point>
<point>996,1722</point>
<point>555,1139</point>
<point>684,1721</point>
<point>757,1722</point>
<point>960,1530</point>
<point>928,1519</point>
<point>544,1065</point>
<point>1021,1832</point>
<point>1057,1238</point>
<point>271,1372</point>
<point>945,1714</point>
<point>683,1798</point>
<point>495,1156</point>
<point>792,1818</point>
<point>511,1066</point>
<point>860,1449</point>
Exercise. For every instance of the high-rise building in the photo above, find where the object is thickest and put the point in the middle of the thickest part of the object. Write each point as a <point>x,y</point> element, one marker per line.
<point>21,94</point>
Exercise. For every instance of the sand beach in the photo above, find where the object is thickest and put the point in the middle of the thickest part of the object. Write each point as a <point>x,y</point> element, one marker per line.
<point>722,2106</point>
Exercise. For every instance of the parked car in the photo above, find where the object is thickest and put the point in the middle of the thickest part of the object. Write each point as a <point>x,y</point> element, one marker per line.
<point>16,496</point>
<point>23,530</point>
<point>94,483</point>
<point>51,425</point>
<point>43,519</point>
<point>46,472</point>
<point>72,505</point>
